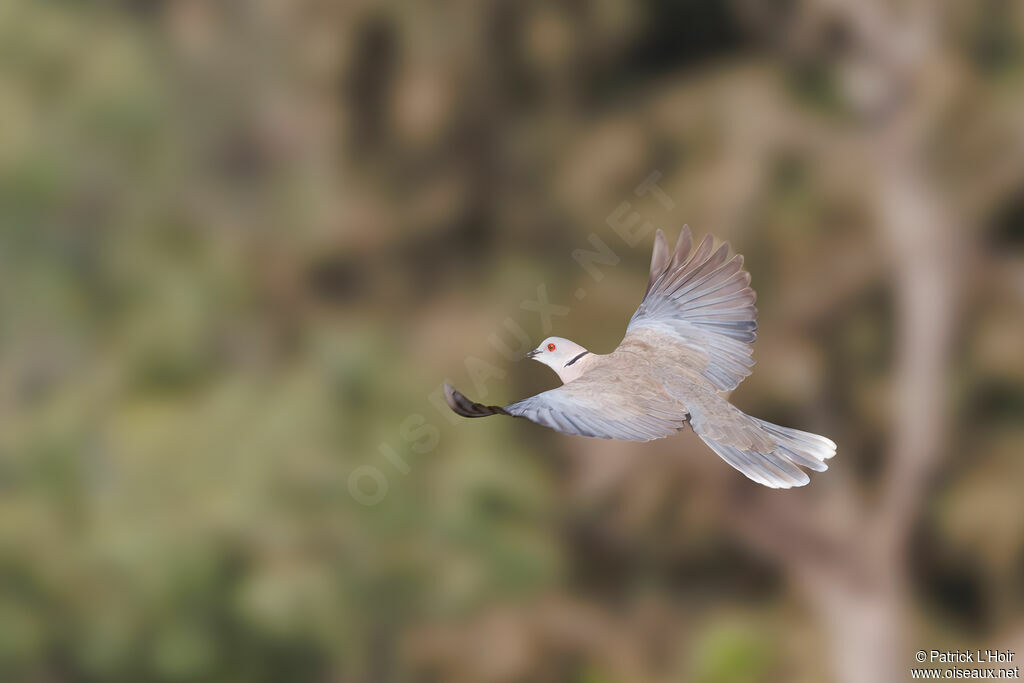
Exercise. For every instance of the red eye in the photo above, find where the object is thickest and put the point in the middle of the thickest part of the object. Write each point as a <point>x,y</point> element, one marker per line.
<point>551,347</point>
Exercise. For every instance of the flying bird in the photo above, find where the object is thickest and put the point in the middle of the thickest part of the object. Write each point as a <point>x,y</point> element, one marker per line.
<point>688,342</point>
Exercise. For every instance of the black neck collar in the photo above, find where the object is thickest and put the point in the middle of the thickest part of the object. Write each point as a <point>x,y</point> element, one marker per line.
<point>576,358</point>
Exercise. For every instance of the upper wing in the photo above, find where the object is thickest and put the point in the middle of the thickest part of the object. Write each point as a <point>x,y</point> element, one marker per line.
<point>702,299</point>
<point>587,406</point>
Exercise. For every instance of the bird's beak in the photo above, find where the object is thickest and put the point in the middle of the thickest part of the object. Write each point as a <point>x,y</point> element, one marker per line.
<point>531,354</point>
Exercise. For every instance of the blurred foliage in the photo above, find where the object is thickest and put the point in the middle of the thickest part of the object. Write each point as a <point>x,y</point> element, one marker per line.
<point>731,654</point>
<point>241,245</point>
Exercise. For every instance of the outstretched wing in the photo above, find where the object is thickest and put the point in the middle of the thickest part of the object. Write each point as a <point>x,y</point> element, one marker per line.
<point>703,300</point>
<point>582,409</point>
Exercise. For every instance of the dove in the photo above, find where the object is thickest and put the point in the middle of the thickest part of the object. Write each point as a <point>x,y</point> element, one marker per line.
<point>687,344</point>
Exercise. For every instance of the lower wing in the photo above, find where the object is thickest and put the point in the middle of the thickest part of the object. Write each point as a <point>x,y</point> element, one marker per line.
<point>581,409</point>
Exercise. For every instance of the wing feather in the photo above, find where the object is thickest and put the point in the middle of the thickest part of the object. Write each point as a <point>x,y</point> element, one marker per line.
<point>703,300</point>
<point>571,411</point>
<point>591,405</point>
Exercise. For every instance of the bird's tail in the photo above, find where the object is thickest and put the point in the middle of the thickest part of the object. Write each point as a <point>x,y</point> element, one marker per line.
<point>764,452</point>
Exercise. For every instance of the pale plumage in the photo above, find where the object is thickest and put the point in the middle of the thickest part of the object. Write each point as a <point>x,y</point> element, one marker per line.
<point>688,340</point>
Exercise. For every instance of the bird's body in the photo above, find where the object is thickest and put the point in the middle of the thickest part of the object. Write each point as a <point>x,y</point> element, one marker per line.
<point>687,342</point>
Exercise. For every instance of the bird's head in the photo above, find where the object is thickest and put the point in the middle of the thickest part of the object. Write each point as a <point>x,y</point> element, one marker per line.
<point>561,355</point>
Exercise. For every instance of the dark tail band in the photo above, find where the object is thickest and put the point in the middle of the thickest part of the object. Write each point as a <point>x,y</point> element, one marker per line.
<point>466,408</point>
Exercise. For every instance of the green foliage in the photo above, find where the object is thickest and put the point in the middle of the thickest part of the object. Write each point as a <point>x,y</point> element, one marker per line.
<point>732,652</point>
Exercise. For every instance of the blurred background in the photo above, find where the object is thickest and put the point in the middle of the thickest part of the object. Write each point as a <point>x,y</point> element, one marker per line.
<point>243,243</point>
